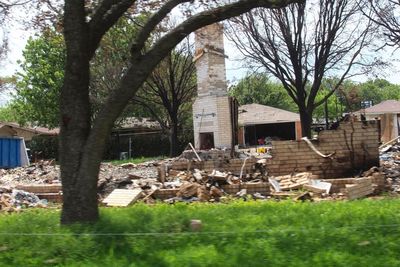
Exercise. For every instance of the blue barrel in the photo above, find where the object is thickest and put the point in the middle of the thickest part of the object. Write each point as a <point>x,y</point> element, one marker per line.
<point>10,152</point>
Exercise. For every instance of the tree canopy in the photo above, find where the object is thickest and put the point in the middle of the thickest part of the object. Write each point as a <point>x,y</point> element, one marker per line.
<point>259,88</point>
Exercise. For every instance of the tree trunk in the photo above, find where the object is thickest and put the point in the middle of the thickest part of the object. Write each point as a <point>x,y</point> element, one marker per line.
<point>79,187</point>
<point>306,121</point>
<point>173,139</point>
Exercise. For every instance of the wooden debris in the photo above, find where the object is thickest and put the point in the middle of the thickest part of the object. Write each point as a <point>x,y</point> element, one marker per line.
<point>296,181</point>
<point>203,194</point>
<point>165,193</point>
<point>123,197</point>
<point>188,190</point>
<point>216,192</point>
<point>162,173</point>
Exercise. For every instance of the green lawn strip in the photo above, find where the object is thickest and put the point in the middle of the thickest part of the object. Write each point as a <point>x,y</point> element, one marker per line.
<point>356,233</point>
<point>134,160</point>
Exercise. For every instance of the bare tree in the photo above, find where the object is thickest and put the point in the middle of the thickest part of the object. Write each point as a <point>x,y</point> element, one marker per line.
<point>304,43</point>
<point>169,91</point>
<point>385,13</point>
<point>82,140</point>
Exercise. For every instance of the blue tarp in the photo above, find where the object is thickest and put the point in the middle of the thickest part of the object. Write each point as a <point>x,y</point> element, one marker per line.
<point>12,152</point>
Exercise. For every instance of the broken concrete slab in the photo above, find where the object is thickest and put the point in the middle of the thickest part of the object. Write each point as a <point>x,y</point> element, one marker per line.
<point>317,186</point>
<point>122,197</point>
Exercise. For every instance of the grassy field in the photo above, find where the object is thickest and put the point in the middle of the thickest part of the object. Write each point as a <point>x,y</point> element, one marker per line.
<point>358,233</point>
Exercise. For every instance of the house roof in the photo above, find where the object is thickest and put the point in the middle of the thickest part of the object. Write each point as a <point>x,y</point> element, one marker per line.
<point>388,106</point>
<point>36,130</point>
<point>260,114</point>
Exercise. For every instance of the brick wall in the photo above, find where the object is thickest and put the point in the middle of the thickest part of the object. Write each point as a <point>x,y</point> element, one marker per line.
<point>297,156</point>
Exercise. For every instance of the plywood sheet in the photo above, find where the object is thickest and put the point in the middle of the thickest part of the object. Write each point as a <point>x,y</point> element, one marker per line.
<point>122,197</point>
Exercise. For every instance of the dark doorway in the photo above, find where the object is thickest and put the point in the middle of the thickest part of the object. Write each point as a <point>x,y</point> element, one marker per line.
<point>206,140</point>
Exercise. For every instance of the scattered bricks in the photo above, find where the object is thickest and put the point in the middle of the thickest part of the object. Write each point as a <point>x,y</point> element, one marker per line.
<point>42,188</point>
<point>378,179</point>
<point>179,165</point>
<point>339,183</point>
<point>252,188</point>
<point>361,188</point>
<point>231,188</point>
<point>165,193</point>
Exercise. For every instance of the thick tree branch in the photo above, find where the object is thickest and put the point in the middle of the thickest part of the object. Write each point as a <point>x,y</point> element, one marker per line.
<point>152,23</point>
<point>105,16</point>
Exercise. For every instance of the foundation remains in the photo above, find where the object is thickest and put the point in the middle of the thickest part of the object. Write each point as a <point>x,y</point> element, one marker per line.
<point>355,146</point>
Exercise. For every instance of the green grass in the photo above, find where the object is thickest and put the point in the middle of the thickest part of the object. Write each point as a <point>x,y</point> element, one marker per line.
<point>358,233</point>
<point>135,160</point>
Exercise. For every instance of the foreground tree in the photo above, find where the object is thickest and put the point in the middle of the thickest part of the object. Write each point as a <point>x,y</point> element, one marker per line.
<point>302,44</point>
<point>82,140</point>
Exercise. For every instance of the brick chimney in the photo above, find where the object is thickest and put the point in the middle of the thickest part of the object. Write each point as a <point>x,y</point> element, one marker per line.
<point>212,109</point>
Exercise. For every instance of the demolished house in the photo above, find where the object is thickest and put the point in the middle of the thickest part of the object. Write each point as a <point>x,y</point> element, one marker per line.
<point>338,164</point>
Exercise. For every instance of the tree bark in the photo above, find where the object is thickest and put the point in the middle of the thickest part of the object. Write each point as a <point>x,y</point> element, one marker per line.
<point>79,191</point>
<point>173,139</point>
<point>306,122</point>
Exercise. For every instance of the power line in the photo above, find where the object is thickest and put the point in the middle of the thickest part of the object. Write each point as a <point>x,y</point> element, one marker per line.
<point>266,231</point>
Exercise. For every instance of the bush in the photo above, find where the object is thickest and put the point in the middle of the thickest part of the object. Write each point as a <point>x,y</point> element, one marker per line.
<point>44,147</point>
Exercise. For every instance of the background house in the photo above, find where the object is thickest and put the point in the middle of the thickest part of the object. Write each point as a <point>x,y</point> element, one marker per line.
<point>388,112</point>
<point>9,129</point>
<point>135,137</point>
<point>259,121</point>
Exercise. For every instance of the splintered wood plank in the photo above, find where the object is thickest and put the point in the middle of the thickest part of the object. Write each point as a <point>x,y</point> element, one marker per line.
<point>122,197</point>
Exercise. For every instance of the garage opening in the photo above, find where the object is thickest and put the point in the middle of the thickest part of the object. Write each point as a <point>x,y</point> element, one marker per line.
<point>254,134</point>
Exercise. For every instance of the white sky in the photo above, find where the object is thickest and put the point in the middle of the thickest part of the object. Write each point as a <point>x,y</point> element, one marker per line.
<point>234,66</point>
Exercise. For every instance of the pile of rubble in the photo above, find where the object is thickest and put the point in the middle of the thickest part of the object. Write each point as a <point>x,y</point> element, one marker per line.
<point>210,181</point>
<point>390,164</point>
<point>39,183</point>
<point>205,177</point>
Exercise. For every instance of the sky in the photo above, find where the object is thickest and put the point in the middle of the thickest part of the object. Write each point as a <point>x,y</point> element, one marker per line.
<point>234,68</point>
